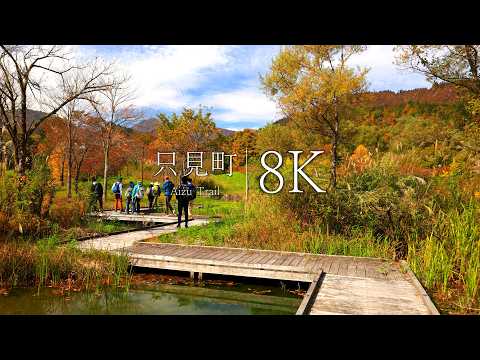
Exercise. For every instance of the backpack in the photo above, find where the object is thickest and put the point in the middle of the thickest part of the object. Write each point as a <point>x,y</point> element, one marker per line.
<point>156,190</point>
<point>150,192</point>
<point>168,187</point>
<point>116,188</point>
<point>181,193</point>
<point>128,193</point>
<point>140,192</point>
<point>98,189</point>
<point>193,192</point>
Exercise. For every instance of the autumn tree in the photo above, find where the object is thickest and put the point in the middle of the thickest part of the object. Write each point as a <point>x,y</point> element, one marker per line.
<point>284,138</point>
<point>143,139</point>
<point>314,86</point>
<point>50,140</point>
<point>113,108</point>
<point>454,64</point>
<point>242,141</point>
<point>29,77</point>
<point>191,130</point>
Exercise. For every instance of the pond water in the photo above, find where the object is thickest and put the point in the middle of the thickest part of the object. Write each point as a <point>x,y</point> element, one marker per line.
<point>153,299</point>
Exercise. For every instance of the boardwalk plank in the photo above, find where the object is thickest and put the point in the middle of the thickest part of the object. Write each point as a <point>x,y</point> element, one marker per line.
<point>225,255</point>
<point>238,256</point>
<point>267,258</point>
<point>234,253</point>
<point>244,259</point>
<point>298,260</point>
<point>289,260</point>
<point>343,268</point>
<point>346,295</point>
<point>352,268</point>
<point>253,259</point>
<point>275,257</point>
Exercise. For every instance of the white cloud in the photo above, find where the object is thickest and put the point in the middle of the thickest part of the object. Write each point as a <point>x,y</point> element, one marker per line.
<point>245,104</point>
<point>163,74</point>
<point>384,74</point>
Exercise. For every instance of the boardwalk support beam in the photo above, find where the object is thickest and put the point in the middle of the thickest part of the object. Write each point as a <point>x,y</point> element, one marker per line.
<point>311,295</point>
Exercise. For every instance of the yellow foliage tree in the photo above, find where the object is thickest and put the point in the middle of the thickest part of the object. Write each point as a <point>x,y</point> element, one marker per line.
<point>314,87</point>
<point>360,159</point>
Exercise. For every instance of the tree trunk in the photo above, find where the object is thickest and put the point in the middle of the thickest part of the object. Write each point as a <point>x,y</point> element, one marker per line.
<point>62,171</point>
<point>334,164</point>
<point>69,162</point>
<point>16,158</point>
<point>77,173</point>
<point>333,167</point>
<point>105,172</point>
<point>22,156</point>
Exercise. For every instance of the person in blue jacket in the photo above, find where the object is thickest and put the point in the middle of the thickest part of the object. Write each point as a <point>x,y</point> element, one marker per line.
<point>137,194</point>
<point>168,191</point>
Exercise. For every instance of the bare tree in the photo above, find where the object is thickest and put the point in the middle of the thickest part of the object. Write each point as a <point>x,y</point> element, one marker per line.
<point>73,116</point>
<point>113,109</point>
<point>78,159</point>
<point>26,71</point>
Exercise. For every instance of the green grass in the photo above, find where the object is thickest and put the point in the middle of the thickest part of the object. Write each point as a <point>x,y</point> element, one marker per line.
<point>215,207</point>
<point>213,234</point>
<point>361,244</point>
<point>227,214</point>
<point>103,227</point>
<point>232,185</point>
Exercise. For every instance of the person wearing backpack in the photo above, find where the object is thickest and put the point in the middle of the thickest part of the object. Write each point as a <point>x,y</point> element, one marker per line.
<point>168,190</point>
<point>117,192</point>
<point>137,194</point>
<point>156,194</point>
<point>97,194</point>
<point>151,196</point>
<point>128,196</point>
<point>183,196</point>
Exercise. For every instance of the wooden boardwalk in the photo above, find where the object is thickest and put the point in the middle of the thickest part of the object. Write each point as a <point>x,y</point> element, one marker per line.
<point>142,217</point>
<point>122,241</point>
<point>346,285</point>
<point>338,284</point>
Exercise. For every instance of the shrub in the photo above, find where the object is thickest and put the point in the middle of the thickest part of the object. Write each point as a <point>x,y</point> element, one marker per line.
<point>68,212</point>
<point>26,200</point>
<point>376,199</point>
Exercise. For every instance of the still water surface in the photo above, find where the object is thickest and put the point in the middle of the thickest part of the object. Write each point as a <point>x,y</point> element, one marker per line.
<point>146,300</point>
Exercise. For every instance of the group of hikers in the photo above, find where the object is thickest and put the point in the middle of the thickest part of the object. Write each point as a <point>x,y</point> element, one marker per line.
<point>184,193</point>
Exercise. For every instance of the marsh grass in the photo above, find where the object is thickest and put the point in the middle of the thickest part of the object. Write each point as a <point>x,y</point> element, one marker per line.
<point>451,255</point>
<point>48,264</point>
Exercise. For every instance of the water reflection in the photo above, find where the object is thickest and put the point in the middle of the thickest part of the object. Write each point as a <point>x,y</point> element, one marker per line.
<point>162,300</point>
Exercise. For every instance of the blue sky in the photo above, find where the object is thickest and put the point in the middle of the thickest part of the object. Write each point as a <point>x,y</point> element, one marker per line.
<point>225,78</point>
